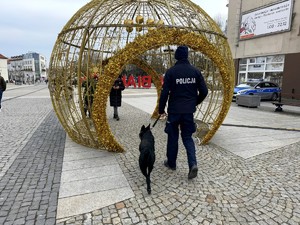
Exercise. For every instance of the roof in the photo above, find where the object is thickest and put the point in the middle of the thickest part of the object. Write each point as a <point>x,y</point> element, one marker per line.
<point>2,56</point>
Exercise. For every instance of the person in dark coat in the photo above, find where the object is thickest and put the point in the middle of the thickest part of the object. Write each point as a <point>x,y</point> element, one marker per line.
<point>89,86</point>
<point>2,88</point>
<point>115,96</point>
<point>184,88</point>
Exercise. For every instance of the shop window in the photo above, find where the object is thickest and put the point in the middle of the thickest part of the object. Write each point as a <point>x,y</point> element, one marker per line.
<point>261,60</point>
<point>275,77</point>
<point>255,76</point>
<point>275,59</point>
<point>256,67</point>
<point>243,67</point>
<point>243,61</point>
<point>252,60</point>
<point>275,66</point>
<point>241,78</point>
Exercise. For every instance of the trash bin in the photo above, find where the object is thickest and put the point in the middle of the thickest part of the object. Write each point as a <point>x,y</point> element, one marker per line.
<point>248,100</point>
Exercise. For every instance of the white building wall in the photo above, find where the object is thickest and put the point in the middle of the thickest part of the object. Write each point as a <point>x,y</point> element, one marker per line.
<point>3,68</point>
<point>43,66</point>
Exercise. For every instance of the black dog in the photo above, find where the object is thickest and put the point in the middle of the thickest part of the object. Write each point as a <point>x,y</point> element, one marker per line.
<point>147,154</point>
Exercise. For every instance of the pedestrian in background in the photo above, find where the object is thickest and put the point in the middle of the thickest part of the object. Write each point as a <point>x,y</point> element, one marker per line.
<point>184,88</point>
<point>2,89</point>
<point>115,96</point>
<point>89,86</point>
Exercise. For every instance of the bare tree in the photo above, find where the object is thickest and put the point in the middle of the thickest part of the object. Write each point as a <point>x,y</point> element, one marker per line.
<point>221,22</point>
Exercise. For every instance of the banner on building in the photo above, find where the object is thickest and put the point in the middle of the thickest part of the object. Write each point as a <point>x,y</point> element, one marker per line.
<point>264,21</point>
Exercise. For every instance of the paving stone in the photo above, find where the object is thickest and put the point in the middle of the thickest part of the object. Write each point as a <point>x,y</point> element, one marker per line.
<point>260,190</point>
<point>28,162</point>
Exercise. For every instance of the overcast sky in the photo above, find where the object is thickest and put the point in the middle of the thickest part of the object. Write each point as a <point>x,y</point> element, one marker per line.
<point>33,25</point>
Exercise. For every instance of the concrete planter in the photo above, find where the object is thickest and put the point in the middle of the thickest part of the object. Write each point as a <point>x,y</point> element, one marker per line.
<point>248,100</point>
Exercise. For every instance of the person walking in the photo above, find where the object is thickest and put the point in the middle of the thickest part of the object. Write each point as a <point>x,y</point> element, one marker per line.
<point>89,86</point>
<point>183,88</point>
<point>2,89</point>
<point>115,96</point>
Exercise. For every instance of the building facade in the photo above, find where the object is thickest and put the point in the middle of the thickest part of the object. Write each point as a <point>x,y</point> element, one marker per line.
<point>264,37</point>
<point>3,67</point>
<point>27,68</point>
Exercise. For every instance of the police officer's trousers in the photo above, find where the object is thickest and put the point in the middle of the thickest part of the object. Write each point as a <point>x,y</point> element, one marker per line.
<point>187,126</point>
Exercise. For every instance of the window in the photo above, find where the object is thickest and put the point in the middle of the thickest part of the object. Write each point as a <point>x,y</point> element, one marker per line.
<point>242,78</point>
<point>252,60</point>
<point>275,66</point>
<point>255,76</point>
<point>256,67</point>
<point>260,60</point>
<point>275,59</point>
<point>275,77</point>
<point>243,61</point>
<point>269,68</point>
<point>243,67</point>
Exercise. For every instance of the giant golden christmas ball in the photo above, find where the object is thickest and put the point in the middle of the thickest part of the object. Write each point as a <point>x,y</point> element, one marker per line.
<point>106,35</point>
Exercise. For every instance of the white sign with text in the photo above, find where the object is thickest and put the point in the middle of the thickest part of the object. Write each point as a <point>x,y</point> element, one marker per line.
<point>271,19</point>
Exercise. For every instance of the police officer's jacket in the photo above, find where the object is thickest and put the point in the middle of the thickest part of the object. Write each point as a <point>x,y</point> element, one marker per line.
<point>184,87</point>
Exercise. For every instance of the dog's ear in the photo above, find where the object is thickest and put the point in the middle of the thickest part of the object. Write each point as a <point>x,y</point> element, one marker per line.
<point>148,127</point>
<point>143,127</point>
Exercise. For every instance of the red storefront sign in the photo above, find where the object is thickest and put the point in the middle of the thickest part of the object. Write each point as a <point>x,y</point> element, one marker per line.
<point>139,82</point>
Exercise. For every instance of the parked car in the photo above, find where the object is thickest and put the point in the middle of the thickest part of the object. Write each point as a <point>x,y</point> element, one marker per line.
<point>265,89</point>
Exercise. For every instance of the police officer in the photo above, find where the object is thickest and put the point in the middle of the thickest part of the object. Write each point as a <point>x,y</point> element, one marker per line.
<point>184,88</point>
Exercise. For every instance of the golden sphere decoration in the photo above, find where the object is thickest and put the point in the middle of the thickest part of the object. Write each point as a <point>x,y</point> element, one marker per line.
<point>128,22</point>
<point>160,22</point>
<point>150,22</point>
<point>139,19</point>
<point>105,36</point>
<point>138,29</point>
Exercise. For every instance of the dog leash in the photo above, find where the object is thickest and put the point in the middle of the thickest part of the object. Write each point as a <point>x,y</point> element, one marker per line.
<point>156,121</point>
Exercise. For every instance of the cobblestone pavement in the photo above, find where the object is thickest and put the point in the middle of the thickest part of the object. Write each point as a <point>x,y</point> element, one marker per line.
<point>29,189</point>
<point>228,190</point>
<point>19,119</point>
<point>262,190</point>
<point>32,144</point>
